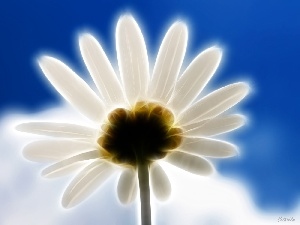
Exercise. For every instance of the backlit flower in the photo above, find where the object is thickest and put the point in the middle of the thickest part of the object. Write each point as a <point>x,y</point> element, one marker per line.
<point>138,119</point>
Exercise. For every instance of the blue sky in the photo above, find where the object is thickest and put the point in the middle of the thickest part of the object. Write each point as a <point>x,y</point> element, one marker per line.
<point>261,46</point>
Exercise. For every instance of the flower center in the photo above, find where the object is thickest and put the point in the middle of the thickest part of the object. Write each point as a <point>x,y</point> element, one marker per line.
<point>141,135</point>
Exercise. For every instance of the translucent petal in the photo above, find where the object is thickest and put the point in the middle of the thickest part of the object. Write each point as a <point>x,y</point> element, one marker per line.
<point>168,62</point>
<point>132,58</point>
<point>86,182</point>
<point>72,88</point>
<point>208,147</point>
<point>53,150</point>
<point>214,126</point>
<point>190,163</point>
<point>127,186</point>
<point>100,69</point>
<point>160,183</point>
<point>215,103</point>
<point>61,130</point>
<point>58,168</point>
<point>67,170</point>
<point>195,77</point>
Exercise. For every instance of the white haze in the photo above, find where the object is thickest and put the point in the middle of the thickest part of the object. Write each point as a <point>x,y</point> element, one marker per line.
<point>26,198</point>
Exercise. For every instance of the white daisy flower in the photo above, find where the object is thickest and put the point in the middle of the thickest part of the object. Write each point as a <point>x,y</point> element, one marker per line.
<point>139,120</point>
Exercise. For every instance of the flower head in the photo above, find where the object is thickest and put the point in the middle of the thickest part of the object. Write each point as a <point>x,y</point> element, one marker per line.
<point>138,119</point>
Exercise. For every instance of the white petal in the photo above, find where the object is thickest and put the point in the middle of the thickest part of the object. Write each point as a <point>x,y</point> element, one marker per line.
<point>100,69</point>
<point>132,58</point>
<point>190,163</point>
<point>215,126</point>
<point>58,169</point>
<point>72,88</point>
<point>208,147</point>
<point>86,182</point>
<point>160,183</point>
<point>195,77</point>
<point>62,130</point>
<point>53,150</point>
<point>127,186</point>
<point>67,170</point>
<point>168,62</point>
<point>215,103</point>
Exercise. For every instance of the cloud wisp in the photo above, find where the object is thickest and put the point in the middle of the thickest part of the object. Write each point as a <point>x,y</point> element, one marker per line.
<point>28,199</point>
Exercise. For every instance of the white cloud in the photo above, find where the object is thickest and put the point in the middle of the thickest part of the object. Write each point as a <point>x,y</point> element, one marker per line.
<point>26,198</point>
<point>212,201</point>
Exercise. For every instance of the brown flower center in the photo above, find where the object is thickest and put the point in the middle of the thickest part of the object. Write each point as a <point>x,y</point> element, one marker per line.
<point>141,135</point>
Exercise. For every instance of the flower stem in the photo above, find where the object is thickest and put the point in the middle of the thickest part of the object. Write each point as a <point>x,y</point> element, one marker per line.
<point>143,174</point>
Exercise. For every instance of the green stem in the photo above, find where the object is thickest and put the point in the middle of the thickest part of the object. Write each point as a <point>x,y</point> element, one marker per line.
<point>143,174</point>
